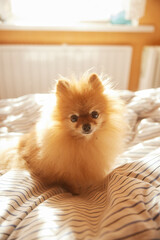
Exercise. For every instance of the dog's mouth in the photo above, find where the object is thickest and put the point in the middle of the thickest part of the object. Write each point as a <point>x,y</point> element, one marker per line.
<point>87,132</point>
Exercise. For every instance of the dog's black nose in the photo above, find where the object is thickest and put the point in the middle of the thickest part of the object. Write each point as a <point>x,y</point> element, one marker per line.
<point>86,127</point>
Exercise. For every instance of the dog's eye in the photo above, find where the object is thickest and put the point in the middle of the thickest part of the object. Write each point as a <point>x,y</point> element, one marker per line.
<point>94,114</point>
<point>74,118</point>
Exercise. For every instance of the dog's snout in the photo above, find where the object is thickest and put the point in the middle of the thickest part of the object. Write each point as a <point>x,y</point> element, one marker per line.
<point>86,127</point>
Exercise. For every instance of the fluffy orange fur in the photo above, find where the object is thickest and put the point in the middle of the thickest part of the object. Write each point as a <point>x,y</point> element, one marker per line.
<point>77,152</point>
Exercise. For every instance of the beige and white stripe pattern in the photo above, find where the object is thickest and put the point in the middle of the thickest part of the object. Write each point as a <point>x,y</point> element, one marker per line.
<point>126,206</point>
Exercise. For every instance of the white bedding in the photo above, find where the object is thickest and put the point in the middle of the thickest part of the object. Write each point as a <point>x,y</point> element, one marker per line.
<point>126,206</point>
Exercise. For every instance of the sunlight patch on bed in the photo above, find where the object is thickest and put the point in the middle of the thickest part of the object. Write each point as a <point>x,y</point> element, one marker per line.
<point>5,110</point>
<point>4,205</point>
<point>51,218</point>
<point>13,118</point>
<point>47,98</point>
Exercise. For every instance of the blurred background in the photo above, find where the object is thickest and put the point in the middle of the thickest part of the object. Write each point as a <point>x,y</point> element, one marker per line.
<point>41,40</point>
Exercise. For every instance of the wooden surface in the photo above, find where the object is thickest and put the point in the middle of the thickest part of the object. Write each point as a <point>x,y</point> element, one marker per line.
<point>136,40</point>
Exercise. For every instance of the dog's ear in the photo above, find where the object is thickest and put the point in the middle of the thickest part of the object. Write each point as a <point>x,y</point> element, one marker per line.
<point>62,86</point>
<point>95,82</point>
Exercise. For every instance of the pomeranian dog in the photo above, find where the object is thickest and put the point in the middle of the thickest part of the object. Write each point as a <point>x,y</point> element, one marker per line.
<point>76,143</point>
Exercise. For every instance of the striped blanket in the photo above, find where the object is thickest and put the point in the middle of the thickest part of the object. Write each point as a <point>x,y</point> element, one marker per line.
<point>126,206</point>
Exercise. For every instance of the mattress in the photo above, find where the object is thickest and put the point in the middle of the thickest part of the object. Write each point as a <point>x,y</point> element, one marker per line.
<point>125,206</point>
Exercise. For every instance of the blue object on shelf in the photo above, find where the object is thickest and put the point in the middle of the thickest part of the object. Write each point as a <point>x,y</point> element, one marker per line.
<point>119,18</point>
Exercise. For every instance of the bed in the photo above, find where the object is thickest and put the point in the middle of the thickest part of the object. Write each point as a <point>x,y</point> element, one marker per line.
<point>126,206</point>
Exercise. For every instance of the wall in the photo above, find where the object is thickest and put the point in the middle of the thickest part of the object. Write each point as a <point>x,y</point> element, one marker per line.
<point>136,40</point>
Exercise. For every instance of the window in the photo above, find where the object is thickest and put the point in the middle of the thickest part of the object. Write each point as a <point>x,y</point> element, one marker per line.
<point>69,12</point>
<point>57,12</point>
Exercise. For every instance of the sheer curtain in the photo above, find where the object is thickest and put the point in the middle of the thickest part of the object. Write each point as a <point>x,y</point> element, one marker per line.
<point>5,10</point>
<point>135,9</point>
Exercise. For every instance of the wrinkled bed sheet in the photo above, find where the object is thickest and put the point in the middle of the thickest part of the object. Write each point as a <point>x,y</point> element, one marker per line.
<point>126,206</point>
